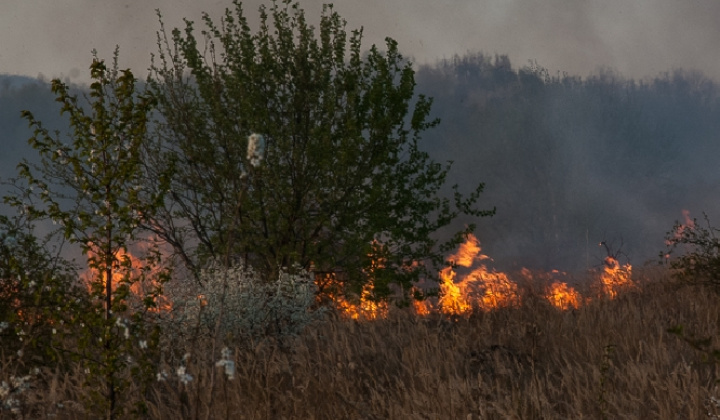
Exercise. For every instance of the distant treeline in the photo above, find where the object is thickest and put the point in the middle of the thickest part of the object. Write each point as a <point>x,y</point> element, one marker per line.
<point>567,161</point>
<point>572,161</point>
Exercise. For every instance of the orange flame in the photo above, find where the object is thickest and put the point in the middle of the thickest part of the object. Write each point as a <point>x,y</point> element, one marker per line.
<point>132,270</point>
<point>366,309</point>
<point>563,296</point>
<point>481,288</point>
<point>615,277</point>
<point>422,307</point>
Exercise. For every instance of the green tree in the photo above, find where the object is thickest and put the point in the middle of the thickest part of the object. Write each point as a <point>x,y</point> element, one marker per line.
<point>93,188</point>
<point>340,181</point>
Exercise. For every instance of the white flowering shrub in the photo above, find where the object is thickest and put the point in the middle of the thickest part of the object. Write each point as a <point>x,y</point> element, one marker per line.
<point>11,392</point>
<point>237,302</point>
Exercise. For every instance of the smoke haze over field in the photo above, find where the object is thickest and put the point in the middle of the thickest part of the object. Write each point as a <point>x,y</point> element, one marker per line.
<point>569,161</point>
<point>638,38</point>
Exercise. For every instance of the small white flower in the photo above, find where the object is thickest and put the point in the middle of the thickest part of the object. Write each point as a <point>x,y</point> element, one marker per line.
<point>143,344</point>
<point>183,376</point>
<point>227,363</point>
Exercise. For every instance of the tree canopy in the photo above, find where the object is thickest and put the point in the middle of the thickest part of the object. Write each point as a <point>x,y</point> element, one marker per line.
<point>340,182</point>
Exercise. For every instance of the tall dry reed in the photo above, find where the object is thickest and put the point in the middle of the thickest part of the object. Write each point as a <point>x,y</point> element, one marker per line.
<point>607,359</point>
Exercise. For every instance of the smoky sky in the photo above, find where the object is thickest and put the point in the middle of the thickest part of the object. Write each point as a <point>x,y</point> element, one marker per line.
<point>639,38</point>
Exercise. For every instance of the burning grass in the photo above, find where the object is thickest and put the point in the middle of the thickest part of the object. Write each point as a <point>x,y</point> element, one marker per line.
<point>608,358</point>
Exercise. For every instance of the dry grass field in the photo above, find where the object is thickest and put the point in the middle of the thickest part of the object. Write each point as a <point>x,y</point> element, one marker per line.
<point>610,358</point>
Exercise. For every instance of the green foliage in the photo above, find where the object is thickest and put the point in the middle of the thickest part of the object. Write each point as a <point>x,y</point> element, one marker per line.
<point>341,171</point>
<point>93,189</point>
<point>38,297</point>
<point>700,247</point>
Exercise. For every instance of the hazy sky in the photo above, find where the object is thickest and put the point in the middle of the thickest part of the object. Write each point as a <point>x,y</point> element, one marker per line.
<point>636,37</point>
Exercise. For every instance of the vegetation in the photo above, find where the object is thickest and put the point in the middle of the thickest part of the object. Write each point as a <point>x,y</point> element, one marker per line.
<point>699,261</point>
<point>263,158</point>
<point>609,358</point>
<point>340,182</point>
<point>92,187</point>
<point>282,155</point>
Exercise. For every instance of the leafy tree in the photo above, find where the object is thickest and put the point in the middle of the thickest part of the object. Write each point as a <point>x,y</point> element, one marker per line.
<point>341,180</point>
<point>93,188</point>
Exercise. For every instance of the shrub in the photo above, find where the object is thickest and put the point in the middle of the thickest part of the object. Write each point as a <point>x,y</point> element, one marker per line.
<point>700,260</point>
<point>237,302</point>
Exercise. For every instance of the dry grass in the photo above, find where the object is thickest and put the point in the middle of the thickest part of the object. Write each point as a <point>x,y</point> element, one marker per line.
<point>608,359</point>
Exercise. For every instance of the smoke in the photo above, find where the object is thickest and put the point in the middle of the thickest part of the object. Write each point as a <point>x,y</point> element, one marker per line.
<point>570,162</point>
<point>562,174</point>
<point>638,38</point>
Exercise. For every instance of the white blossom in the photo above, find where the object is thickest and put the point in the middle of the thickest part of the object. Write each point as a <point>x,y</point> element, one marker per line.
<point>183,376</point>
<point>241,303</point>
<point>255,149</point>
<point>228,364</point>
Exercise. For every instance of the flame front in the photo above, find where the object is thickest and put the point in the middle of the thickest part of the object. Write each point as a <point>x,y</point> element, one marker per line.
<point>481,288</point>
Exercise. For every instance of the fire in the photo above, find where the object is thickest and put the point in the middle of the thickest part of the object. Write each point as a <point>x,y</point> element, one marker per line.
<point>563,296</point>
<point>453,300</point>
<point>126,265</point>
<point>422,307</point>
<point>332,290</point>
<point>615,277</point>
<point>481,288</point>
<point>368,307</point>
